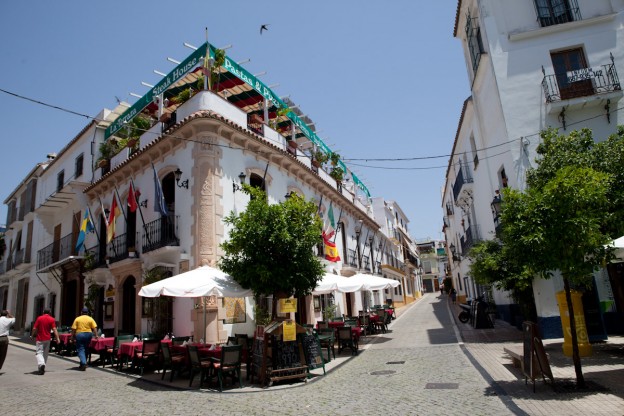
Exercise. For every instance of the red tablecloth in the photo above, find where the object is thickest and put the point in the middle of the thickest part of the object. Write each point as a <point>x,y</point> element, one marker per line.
<point>373,318</point>
<point>207,352</point>
<point>102,343</point>
<point>129,348</point>
<point>65,338</point>
<point>335,324</point>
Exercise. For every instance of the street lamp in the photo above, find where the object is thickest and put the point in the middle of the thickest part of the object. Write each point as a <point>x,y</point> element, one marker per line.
<point>496,204</point>
<point>236,186</point>
<point>178,176</point>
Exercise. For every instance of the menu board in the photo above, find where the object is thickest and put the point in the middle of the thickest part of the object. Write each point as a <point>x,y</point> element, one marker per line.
<point>528,333</point>
<point>286,354</point>
<point>312,351</point>
<point>257,356</point>
<point>542,358</point>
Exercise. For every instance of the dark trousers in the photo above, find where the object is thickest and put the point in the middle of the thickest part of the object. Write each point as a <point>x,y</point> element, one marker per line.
<point>4,346</point>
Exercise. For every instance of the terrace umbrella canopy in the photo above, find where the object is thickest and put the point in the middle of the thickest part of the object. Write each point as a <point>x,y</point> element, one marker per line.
<point>618,244</point>
<point>203,281</point>
<point>334,282</point>
<point>372,282</point>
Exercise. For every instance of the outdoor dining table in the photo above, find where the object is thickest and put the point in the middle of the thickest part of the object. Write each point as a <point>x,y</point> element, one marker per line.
<point>128,349</point>
<point>65,338</point>
<point>101,343</point>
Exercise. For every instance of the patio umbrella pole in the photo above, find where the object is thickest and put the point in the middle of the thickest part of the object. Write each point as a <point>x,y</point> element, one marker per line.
<point>204,304</point>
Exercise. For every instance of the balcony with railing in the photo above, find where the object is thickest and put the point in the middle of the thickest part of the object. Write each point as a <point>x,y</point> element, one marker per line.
<point>352,258</point>
<point>57,251</point>
<point>377,268</point>
<point>19,257</point>
<point>366,262</point>
<point>117,249</point>
<point>463,178</point>
<point>469,238</point>
<point>551,13</point>
<point>160,233</point>
<point>583,82</point>
<point>95,258</point>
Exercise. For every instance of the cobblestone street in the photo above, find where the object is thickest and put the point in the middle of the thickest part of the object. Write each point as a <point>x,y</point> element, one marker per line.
<point>419,367</point>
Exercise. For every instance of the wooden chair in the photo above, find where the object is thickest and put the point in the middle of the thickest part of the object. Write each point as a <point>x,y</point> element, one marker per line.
<point>198,365</point>
<point>171,361</point>
<point>351,322</point>
<point>365,324</point>
<point>345,340</point>
<point>110,354</point>
<point>329,342</point>
<point>180,340</point>
<point>381,323</point>
<point>228,364</point>
<point>247,343</point>
<point>150,354</point>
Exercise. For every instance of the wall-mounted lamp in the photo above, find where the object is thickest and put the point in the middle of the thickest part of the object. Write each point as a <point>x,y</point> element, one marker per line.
<point>238,186</point>
<point>178,175</point>
<point>143,203</point>
<point>496,204</point>
<point>290,194</point>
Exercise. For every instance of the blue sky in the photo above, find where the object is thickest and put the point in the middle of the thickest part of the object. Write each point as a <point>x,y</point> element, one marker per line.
<point>380,79</point>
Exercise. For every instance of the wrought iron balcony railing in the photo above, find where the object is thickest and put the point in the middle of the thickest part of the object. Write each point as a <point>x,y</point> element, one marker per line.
<point>352,258</point>
<point>581,83</point>
<point>117,249</point>
<point>160,233</point>
<point>469,239</point>
<point>463,177</point>
<point>365,262</point>
<point>98,258</point>
<point>551,13</point>
<point>58,250</point>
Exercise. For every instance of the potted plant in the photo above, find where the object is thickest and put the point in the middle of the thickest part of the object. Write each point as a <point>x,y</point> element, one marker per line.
<point>107,149</point>
<point>334,158</point>
<point>329,313</point>
<point>184,95</point>
<point>337,173</point>
<point>319,157</point>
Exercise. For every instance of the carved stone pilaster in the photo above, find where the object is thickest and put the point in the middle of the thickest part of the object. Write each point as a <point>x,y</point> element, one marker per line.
<point>207,207</point>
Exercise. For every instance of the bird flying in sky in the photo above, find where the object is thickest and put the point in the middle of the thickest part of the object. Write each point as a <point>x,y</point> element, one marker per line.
<point>264,27</point>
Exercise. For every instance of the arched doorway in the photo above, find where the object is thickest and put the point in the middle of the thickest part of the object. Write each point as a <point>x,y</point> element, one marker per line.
<point>128,306</point>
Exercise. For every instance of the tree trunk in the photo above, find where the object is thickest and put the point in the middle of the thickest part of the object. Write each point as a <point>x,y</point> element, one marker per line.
<point>580,380</point>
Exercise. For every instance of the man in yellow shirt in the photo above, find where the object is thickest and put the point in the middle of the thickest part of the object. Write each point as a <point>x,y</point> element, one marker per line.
<point>83,328</point>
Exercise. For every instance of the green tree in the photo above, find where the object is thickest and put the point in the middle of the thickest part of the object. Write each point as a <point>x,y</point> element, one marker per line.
<point>270,249</point>
<point>560,227</point>
<point>492,264</point>
<point>570,210</point>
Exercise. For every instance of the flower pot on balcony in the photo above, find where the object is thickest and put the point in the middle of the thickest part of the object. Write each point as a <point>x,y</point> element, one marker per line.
<point>293,144</point>
<point>316,163</point>
<point>103,163</point>
<point>165,117</point>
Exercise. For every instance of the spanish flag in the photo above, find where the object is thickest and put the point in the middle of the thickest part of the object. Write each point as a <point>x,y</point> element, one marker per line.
<point>112,216</point>
<point>331,252</point>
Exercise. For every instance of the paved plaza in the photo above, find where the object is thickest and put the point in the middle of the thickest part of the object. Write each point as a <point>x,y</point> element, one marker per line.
<point>427,364</point>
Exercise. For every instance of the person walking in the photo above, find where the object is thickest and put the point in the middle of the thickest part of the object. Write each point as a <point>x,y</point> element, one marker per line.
<point>453,295</point>
<point>83,329</point>
<point>6,322</point>
<point>42,329</point>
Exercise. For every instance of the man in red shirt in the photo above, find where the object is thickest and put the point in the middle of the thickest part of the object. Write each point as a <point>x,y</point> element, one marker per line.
<point>41,332</point>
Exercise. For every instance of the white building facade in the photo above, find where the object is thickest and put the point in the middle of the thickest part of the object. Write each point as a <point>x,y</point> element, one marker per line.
<point>195,143</point>
<point>531,64</point>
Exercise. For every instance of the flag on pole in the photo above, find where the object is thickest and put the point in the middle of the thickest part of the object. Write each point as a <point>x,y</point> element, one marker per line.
<point>112,217</point>
<point>132,199</point>
<point>85,227</point>
<point>331,251</point>
<point>329,228</point>
<point>159,198</point>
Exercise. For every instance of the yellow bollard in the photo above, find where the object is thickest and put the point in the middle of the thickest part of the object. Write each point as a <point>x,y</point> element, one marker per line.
<point>585,349</point>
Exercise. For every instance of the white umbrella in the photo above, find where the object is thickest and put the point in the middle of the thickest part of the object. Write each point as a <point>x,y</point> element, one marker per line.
<point>331,282</point>
<point>203,281</point>
<point>372,282</point>
<point>619,247</point>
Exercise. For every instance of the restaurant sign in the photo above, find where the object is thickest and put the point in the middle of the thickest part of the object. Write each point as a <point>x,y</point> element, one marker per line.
<point>288,305</point>
<point>178,72</point>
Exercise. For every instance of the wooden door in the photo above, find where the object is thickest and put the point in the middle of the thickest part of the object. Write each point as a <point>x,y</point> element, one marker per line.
<point>564,62</point>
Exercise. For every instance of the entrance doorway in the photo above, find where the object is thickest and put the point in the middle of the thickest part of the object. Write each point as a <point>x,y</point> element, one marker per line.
<point>128,306</point>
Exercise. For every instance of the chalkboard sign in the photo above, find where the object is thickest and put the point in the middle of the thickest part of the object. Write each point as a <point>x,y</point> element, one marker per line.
<point>312,351</point>
<point>528,333</point>
<point>286,354</point>
<point>542,359</point>
<point>257,357</point>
